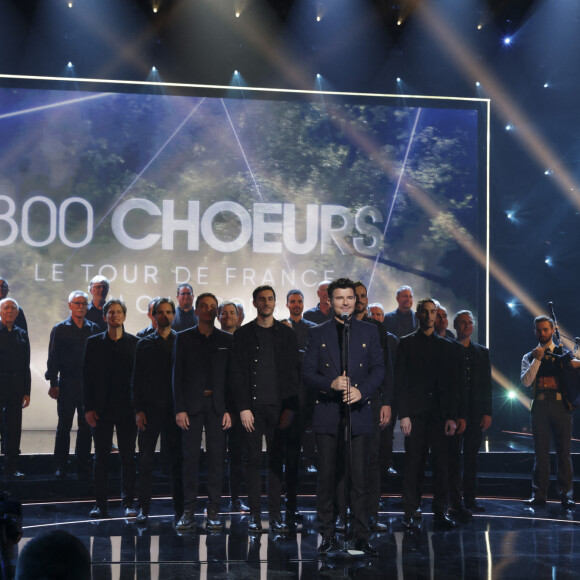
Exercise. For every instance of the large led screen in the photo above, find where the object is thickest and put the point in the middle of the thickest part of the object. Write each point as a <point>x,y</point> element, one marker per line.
<point>229,189</point>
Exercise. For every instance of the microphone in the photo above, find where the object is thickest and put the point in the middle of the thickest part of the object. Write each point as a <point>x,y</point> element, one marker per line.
<point>344,317</point>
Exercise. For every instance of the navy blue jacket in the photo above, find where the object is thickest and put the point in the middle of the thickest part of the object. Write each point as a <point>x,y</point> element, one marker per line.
<point>321,365</point>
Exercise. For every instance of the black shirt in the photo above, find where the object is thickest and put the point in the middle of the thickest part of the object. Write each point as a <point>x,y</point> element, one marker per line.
<point>95,315</point>
<point>151,387</point>
<point>266,392</point>
<point>65,353</point>
<point>14,359</point>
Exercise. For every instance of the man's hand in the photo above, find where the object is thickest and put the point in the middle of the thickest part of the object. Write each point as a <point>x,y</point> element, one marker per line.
<point>450,427</point>
<point>53,392</point>
<point>340,383</point>
<point>91,418</point>
<point>25,401</point>
<point>141,420</point>
<point>351,396</point>
<point>538,353</point>
<point>247,418</point>
<point>226,421</point>
<point>461,425</point>
<point>485,422</point>
<point>385,416</point>
<point>406,426</point>
<point>182,420</point>
<point>286,419</point>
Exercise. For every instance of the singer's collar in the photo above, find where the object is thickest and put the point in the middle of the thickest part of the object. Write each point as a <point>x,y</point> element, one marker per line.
<point>550,345</point>
<point>341,320</point>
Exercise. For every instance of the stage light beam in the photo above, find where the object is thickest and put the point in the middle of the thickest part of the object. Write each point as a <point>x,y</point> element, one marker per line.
<point>507,40</point>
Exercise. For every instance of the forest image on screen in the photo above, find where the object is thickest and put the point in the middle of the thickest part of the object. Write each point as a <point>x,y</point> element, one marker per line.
<point>153,190</point>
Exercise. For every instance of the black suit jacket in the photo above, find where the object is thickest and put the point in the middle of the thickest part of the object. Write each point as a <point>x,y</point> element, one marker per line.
<point>481,397</point>
<point>244,362</point>
<point>422,388</point>
<point>98,376</point>
<point>188,358</point>
<point>151,388</point>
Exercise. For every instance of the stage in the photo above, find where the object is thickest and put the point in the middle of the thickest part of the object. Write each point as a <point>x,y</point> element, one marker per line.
<point>508,541</point>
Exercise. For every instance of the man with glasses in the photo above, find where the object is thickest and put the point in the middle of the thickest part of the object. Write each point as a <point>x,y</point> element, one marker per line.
<point>64,371</point>
<point>184,315</point>
<point>99,289</point>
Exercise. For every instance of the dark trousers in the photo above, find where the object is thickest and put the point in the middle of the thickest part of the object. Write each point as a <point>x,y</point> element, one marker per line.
<point>214,453</point>
<point>291,439</point>
<point>463,478</point>
<point>551,417</point>
<point>427,433</point>
<point>162,424</point>
<point>387,437</point>
<point>235,439</point>
<point>266,420</point>
<point>103,437</point>
<point>374,467</point>
<point>66,405</point>
<point>332,463</point>
<point>11,410</point>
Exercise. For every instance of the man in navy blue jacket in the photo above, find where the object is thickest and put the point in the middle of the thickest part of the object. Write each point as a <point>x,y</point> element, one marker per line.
<point>343,382</point>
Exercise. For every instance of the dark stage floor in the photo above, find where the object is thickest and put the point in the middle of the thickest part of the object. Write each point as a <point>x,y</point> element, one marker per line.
<point>508,541</point>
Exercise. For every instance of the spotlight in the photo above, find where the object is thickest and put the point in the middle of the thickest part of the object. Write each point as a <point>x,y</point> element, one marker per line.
<point>548,172</point>
<point>477,84</point>
<point>399,80</point>
<point>509,127</point>
<point>155,9</point>
<point>318,76</point>
<point>507,40</point>
<point>512,305</point>
<point>479,26</point>
<point>512,394</point>
<point>510,215</point>
<point>153,69</point>
<point>236,72</point>
<point>548,261</point>
<point>70,4</point>
<point>318,19</point>
<point>399,22</point>
<point>546,85</point>
<point>70,64</point>
<point>237,14</point>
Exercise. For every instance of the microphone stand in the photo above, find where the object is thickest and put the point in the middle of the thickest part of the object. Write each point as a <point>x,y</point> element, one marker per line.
<point>346,552</point>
